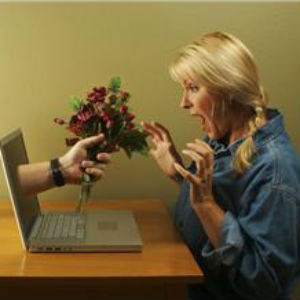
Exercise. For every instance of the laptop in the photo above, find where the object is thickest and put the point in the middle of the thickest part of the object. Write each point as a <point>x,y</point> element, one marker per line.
<point>63,231</point>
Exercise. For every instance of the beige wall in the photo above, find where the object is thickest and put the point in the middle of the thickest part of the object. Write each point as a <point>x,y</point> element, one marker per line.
<point>51,51</point>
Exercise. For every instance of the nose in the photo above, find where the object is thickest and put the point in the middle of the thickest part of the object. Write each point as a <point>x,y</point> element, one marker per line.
<point>185,103</point>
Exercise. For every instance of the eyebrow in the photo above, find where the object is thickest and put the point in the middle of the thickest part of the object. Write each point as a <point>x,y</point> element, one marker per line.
<point>188,84</point>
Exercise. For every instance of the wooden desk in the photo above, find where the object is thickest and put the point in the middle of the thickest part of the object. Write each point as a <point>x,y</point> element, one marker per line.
<point>161,271</point>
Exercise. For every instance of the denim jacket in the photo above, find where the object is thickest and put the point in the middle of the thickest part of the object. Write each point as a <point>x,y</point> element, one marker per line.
<point>259,257</point>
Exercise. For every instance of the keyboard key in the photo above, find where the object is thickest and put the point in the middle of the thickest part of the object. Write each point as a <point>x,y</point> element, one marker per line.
<point>63,226</point>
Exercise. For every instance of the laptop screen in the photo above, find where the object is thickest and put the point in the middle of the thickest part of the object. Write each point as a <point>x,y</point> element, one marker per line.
<point>14,154</point>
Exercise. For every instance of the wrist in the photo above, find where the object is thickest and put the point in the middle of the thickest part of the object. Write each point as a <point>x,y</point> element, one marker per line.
<point>56,172</point>
<point>206,205</point>
<point>64,167</point>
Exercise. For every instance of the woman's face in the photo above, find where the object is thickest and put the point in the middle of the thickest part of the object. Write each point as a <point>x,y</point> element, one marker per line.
<point>200,103</point>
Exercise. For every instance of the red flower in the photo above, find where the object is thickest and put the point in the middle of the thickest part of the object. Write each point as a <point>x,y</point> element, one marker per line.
<point>97,95</point>
<point>110,124</point>
<point>129,117</point>
<point>129,125</point>
<point>75,125</point>
<point>104,110</point>
<point>123,109</point>
<point>101,91</point>
<point>124,95</point>
<point>59,121</point>
<point>112,99</point>
<point>71,141</point>
<point>105,116</point>
<point>85,113</point>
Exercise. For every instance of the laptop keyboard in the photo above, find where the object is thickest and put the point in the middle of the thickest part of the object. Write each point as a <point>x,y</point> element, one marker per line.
<point>63,226</point>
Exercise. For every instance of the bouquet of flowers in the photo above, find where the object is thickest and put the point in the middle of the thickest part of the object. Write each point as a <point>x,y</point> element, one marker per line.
<point>104,110</point>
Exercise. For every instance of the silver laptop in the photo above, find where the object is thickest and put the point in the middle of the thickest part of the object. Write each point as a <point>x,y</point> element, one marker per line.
<point>90,231</point>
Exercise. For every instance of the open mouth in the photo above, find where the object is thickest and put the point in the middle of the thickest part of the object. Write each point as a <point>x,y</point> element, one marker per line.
<point>202,119</point>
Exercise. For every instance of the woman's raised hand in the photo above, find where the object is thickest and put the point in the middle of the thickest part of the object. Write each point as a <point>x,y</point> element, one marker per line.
<point>200,182</point>
<point>163,150</point>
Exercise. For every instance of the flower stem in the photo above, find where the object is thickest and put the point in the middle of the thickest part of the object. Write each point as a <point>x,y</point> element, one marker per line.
<point>85,191</point>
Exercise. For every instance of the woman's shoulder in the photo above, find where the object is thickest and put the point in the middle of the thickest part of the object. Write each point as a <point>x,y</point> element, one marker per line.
<point>278,162</point>
<point>279,151</point>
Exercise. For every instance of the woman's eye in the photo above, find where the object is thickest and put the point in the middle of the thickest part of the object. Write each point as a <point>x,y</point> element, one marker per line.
<point>193,88</point>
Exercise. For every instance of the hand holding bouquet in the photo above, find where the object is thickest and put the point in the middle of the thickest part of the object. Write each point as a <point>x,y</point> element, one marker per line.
<point>104,110</point>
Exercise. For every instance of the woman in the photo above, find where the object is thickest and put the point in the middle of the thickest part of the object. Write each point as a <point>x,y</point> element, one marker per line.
<point>239,203</point>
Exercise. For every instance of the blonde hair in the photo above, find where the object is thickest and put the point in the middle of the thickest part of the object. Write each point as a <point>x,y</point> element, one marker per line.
<point>227,68</point>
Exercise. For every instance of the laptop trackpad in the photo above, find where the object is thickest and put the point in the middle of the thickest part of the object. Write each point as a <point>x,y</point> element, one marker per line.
<point>114,229</point>
<point>107,225</point>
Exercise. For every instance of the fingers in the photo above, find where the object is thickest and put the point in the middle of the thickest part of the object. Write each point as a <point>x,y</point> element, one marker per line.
<point>93,168</point>
<point>199,161</point>
<point>152,130</point>
<point>104,157</point>
<point>208,186</point>
<point>95,172</point>
<point>156,130</point>
<point>164,131</point>
<point>195,184</point>
<point>203,150</point>
<point>91,164</point>
<point>203,156</point>
<point>152,152</point>
<point>209,151</point>
<point>186,174</point>
<point>92,141</point>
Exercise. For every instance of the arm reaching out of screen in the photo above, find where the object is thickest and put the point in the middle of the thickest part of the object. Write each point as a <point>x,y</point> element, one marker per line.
<point>38,177</point>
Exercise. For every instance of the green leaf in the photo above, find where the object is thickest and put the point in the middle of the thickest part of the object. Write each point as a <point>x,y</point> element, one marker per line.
<point>117,128</point>
<point>76,103</point>
<point>115,84</point>
<point>133,141</point>
<point>127,151</point>
<point>118,104</point>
